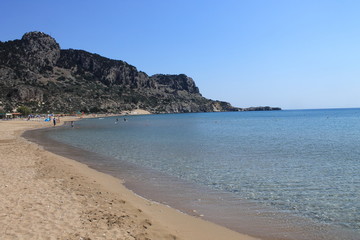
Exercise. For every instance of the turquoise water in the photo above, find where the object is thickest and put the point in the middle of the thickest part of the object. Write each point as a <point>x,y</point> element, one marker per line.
<point>300,162</point>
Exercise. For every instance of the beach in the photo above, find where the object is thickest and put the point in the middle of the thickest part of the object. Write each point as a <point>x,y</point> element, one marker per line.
<point>46,196</point>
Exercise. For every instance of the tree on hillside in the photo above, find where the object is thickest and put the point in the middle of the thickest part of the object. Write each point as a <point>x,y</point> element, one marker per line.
<point>25,111</point>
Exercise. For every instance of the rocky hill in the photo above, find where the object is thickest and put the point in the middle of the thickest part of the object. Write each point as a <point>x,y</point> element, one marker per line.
<point>36,73</point>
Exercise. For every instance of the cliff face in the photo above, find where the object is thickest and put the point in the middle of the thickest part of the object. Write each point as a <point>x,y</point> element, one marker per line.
<point>35,72</point>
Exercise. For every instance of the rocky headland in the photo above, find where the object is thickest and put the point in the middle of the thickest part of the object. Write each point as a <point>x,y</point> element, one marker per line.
<point>35,72</point>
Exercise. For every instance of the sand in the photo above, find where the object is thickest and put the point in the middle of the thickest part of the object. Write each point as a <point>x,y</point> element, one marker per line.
<point>46,196</point>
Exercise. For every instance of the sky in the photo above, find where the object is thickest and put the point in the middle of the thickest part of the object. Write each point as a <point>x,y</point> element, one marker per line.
<point>293,54</point>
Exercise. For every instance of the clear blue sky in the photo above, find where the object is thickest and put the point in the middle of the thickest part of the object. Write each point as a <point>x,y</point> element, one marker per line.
<point>287,53</point>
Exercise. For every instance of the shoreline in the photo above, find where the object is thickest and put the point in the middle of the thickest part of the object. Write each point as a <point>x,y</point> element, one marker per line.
<point>193,200</point>
<point>49,195</point>
<point>216,207</point>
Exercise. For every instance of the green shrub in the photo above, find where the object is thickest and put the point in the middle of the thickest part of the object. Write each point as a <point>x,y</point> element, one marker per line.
<point>25,111</point>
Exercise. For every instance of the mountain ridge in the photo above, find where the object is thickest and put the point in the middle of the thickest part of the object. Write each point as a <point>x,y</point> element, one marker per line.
<point>35,72</point>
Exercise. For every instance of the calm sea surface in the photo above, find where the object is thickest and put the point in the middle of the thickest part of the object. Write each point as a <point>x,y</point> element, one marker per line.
<point>302,164</point>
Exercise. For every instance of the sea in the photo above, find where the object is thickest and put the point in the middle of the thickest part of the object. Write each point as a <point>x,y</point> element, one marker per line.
<point>290,174</point>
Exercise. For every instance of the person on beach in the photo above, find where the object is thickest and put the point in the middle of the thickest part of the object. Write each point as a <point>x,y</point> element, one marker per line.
<point>54,121</point>
<point>72,124</point>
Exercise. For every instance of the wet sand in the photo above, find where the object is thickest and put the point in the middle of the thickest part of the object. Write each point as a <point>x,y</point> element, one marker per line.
<point>47,196</point>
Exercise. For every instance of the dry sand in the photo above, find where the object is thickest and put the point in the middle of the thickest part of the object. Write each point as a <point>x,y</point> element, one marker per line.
<point>46,196</point>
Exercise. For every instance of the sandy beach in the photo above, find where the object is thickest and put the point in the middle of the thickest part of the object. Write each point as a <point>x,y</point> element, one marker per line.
<point>46,196</point>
